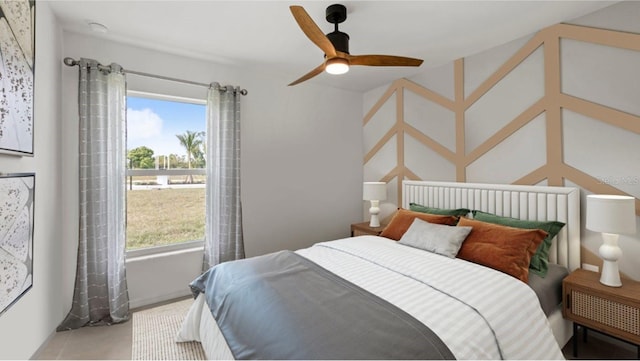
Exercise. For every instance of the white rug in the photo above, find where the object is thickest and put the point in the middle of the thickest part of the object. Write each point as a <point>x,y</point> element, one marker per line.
<point>154,334</point>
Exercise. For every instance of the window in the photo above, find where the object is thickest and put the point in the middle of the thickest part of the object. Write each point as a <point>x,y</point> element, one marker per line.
<point>166,171</point>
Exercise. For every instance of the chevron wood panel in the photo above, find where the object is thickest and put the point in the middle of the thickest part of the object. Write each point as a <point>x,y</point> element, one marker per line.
<point>555,171</point>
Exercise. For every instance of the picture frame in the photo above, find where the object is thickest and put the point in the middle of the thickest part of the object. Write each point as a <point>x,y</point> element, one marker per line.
<point>17,193</point>
<point>17,66</point>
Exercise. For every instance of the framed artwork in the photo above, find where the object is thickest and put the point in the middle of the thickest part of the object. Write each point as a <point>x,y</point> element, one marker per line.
<point>16,237</point>
<point>17,61</point>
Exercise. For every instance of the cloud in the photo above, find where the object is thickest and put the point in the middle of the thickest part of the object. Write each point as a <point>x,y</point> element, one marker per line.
<point>143,124</point>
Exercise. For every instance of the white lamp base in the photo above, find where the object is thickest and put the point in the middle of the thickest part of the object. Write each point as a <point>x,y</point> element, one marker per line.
<point>373,211</point>
<point>610,253</point>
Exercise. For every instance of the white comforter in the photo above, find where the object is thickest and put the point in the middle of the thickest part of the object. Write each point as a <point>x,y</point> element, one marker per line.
<point>478,312</point>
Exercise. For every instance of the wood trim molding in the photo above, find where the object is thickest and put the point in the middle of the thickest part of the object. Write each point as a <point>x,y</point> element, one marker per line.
<point>428,94</point>
<point>618,39</point>
<point>534,177</point>
<point>593,184</point>
<point>400,135</point>
<point>429,142</point>
<point>458,81</point>
<point>383,99</point>
<point>376,148</point>
<point>554,113</point>
<point>521,120</point>
<point>617,118</point>
<point>392,174</point>
<point>505,69</point>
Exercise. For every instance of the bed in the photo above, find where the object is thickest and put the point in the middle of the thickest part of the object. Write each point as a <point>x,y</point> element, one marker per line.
<point>476,311</point>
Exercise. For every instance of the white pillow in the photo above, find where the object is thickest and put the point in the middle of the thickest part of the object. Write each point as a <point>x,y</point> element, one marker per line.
<point>436,238</point>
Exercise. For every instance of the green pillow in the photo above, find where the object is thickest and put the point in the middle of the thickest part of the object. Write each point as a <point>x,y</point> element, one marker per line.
<point>460,212</point>
<point>540,260</point>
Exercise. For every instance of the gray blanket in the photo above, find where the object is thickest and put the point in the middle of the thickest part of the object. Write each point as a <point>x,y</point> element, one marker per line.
<point>283,306</point>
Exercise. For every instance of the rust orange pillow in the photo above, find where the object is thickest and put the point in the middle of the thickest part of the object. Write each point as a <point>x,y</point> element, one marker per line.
<point>503,248</point>
<point>403,218</point>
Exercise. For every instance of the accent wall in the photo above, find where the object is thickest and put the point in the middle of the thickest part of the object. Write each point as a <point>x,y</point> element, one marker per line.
<point>558,107</point>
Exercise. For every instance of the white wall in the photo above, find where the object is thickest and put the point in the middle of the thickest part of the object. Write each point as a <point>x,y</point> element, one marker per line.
<point>156,278</point>
<point>301,155</point>
<point>30,321</point>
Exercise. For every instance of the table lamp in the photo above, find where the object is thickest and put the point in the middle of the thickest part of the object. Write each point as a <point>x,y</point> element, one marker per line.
<point>374,192</point>
<point>612,215</point>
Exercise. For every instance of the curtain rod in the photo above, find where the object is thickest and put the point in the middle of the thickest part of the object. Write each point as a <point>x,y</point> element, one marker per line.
<point>72,62</point>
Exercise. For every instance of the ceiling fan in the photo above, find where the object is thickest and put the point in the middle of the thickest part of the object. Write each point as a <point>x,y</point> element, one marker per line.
<point>336,45</point>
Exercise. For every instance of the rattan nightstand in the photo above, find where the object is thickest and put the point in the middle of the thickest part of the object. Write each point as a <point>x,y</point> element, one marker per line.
<point>614,311</point>
<point>361,229</point>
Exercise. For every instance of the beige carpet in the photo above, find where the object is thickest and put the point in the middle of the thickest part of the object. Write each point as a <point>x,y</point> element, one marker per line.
<point>154,333</point>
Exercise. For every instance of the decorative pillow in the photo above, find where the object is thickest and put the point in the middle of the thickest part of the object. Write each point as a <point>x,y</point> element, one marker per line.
<point>436,238</point>
<point>460,212</point>
<point>540,260</point>
<point>403,219</point>
<point>506,249</point>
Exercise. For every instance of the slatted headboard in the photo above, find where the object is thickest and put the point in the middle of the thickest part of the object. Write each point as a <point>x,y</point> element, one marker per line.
<point>539,203</point>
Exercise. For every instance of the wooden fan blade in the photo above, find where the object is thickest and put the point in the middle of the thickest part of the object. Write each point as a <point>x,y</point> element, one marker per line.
<point>312,31</point>
<point>383,60</point>
<point>309,75</point>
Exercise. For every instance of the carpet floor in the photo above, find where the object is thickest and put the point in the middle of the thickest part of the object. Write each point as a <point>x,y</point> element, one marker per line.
<point>154,334</point>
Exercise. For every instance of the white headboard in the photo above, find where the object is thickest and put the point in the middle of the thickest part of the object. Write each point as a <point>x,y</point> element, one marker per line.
<point>540,203</point>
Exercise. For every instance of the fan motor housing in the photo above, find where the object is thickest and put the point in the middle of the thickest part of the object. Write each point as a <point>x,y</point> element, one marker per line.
<point>336,14</point>
<point>339,40</point>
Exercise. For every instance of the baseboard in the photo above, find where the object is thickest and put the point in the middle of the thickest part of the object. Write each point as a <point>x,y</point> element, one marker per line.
<point>36,355</point>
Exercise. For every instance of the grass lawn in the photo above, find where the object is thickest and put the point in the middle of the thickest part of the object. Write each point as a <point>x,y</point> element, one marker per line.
<point>163,216</point>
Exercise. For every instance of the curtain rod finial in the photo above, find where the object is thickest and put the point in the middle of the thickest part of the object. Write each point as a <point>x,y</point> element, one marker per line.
<point>69,61</point>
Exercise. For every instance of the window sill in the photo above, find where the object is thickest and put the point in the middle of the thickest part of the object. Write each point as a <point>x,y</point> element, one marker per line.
<point>165,250</point>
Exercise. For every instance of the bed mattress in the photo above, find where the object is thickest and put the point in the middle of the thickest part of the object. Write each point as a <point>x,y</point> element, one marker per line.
<point>478,312</point>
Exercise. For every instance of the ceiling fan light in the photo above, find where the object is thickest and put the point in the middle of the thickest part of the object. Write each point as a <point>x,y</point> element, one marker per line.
<point>337,66</point>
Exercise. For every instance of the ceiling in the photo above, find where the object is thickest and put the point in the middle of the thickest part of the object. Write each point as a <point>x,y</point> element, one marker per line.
<point>263,34</point>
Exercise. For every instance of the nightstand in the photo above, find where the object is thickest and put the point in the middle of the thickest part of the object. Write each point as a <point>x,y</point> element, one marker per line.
<point>614,311</point>
<point>361,229</point>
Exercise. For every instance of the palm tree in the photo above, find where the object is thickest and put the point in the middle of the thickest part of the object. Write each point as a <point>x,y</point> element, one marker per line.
<point>191,141</point>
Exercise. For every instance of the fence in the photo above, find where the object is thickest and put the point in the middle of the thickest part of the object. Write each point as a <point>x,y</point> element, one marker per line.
<point>162,175</point>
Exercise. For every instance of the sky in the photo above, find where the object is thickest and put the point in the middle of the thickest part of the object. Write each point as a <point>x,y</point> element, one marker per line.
<point>154,123</point>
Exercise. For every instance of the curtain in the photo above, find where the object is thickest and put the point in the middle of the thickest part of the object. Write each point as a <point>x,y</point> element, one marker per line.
<point>100,294</point>
<point>223,220</point>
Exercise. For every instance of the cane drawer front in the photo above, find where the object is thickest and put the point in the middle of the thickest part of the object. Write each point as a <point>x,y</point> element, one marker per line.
<point>620,316</point>
<point>615,311</point>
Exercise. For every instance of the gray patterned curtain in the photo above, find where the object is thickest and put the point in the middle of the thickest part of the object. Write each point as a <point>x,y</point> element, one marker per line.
<point>223,220</point>
<point>100,294</point>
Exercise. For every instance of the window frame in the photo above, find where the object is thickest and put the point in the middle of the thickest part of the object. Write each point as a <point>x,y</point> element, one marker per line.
<point>174,247</point>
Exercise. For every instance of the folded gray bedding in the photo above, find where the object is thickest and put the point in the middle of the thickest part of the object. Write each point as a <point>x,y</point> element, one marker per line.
<point>549,288</point>
<point>283,306</point>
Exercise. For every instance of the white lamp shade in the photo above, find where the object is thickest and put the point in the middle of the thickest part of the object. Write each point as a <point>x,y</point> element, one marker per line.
<point>611,214</point>
<point>374,191</point>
